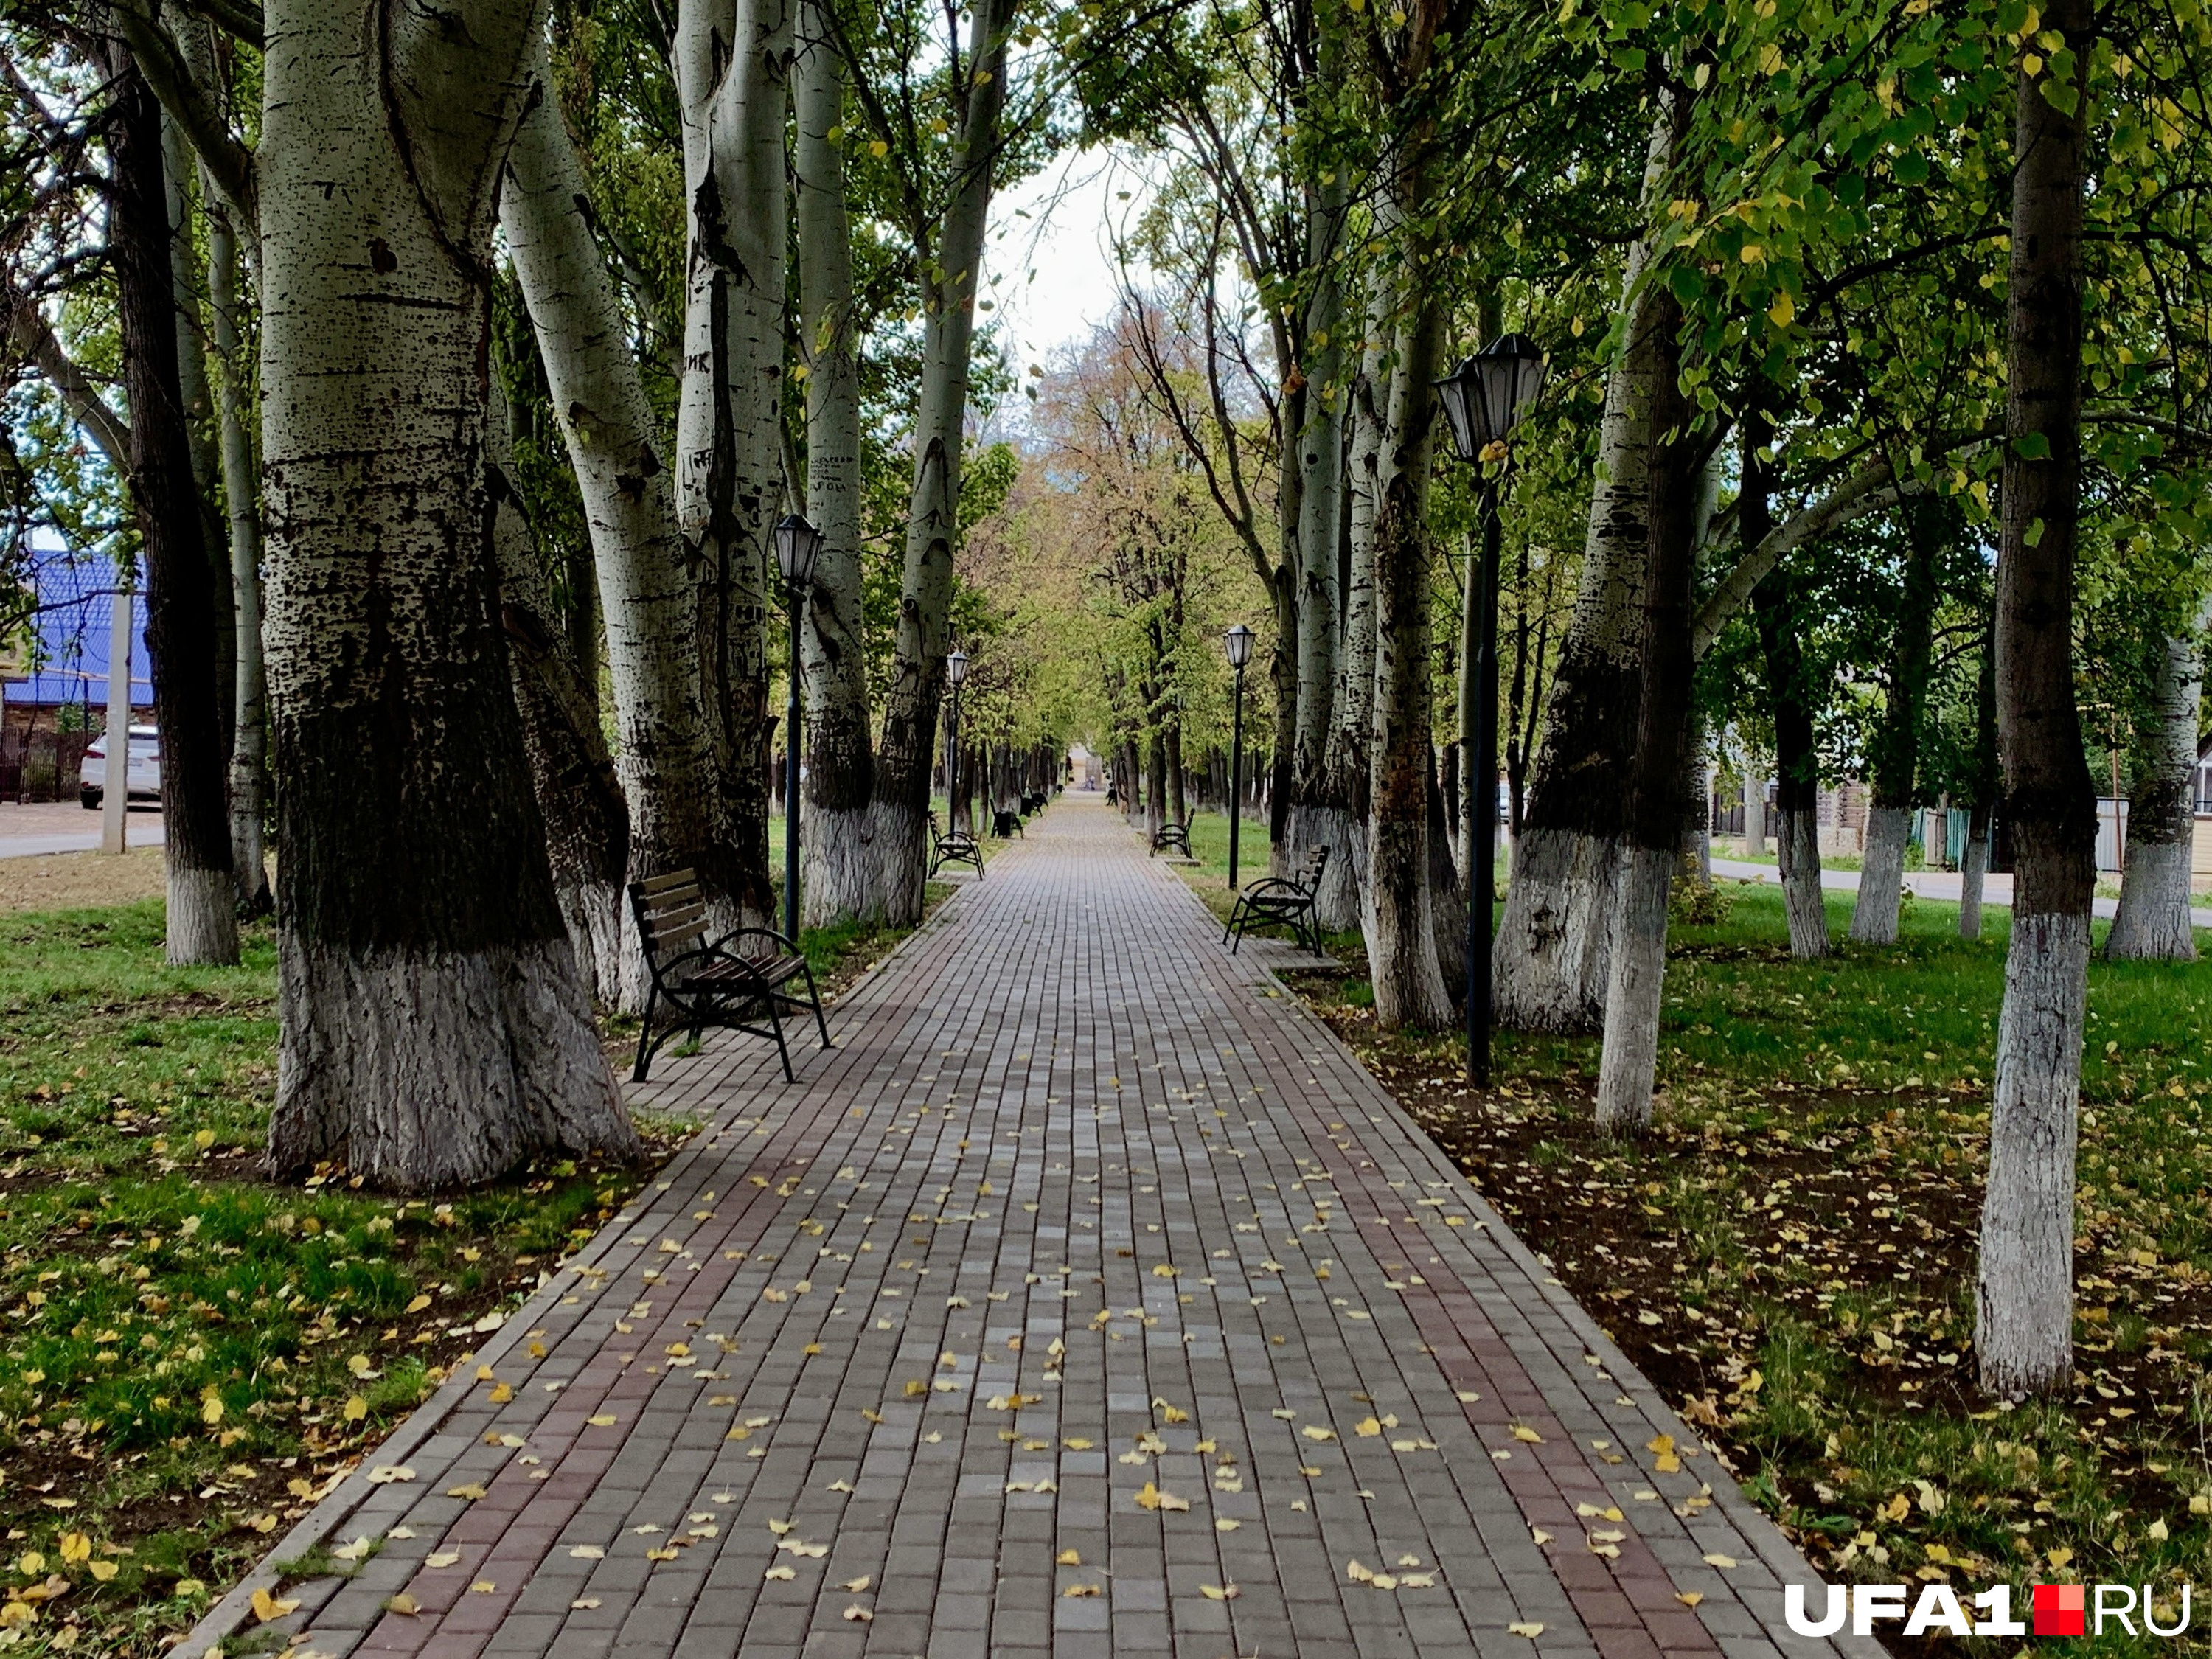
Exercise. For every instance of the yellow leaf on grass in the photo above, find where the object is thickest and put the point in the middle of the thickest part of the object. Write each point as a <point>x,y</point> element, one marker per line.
<point>76,1547</point>
<point>355,1409</point>
<point>103,1570</point>
<point>418,1304</point>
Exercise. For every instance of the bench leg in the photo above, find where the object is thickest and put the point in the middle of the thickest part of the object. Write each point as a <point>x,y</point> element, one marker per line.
<point>645,1039</point>
<point>814,996</point>
<point>783,1053</point>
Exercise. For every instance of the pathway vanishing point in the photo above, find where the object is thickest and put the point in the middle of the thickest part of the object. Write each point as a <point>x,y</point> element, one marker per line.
<point>1087,1299</point>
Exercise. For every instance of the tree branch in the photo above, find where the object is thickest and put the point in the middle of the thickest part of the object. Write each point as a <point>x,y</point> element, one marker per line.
<point>1868,490</point>
<point>29,336</point>
<point>191,106</point>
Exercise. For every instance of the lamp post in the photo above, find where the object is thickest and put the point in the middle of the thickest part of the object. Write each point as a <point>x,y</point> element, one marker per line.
<point>1237,642</point>
<point>1483,398</point>
<point>798,545</point>
<point>955,675</point>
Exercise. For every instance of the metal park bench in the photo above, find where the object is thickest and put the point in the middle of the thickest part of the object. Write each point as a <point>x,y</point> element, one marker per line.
<point>1280,900</point>
<point>1173,837</point>
<point>742,982</point>
<point>953,846</point>
<point>1007,825</point>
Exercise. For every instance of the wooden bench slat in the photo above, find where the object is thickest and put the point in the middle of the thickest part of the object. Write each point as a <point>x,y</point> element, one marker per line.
<point>653,885</point>
<point>663,921</point>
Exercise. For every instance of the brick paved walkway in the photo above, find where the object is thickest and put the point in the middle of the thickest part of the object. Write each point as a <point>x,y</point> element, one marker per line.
<point>1087,1298</point>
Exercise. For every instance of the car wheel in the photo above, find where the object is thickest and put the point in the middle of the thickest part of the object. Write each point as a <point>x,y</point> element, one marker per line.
<point>90,799</point>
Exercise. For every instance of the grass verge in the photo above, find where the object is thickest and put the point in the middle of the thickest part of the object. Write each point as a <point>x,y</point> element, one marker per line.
<point>192,1355</point>
<point>1790,1254</point>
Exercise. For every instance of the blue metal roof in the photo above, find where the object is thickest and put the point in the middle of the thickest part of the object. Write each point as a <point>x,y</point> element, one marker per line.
<point>76,605</point>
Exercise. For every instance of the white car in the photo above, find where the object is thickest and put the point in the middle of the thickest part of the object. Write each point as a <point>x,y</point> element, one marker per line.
<point>145,769</point>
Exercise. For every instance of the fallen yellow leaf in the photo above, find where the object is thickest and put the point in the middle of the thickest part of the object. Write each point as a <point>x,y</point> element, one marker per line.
<point>267,1607</point>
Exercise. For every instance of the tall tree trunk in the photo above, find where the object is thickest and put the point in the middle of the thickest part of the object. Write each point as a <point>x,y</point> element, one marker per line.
<point>647,590</point>
<point>1651,848</point>
<point>1324,816</point>
<point>436,1028</point>
<point>1974,858</point>
<point>1399,918</point>
<point>181,610</point>
<point>1797,763</point>
<point>2024,1334</point>
<point>732,64</point>
<point>837,868</point>
<point>249,725</point>
<point>1352,726</point>
<point>587,820</point>
<point>1448,899</point>
<point>1549,960</point>
<point>1897,745</point>
<point>2153,923</point>
<point>901,807</point>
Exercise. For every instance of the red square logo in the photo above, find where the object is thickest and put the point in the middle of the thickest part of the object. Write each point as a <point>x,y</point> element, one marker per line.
<point>2061,1610</point>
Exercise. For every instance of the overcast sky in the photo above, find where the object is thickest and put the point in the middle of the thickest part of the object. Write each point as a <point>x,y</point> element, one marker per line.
<point>1065,241</point>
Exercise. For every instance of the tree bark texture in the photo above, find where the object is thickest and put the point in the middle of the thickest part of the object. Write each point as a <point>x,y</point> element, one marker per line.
<point>733,65</point>
<point>189,694</point>
<point>1635,972</point>
<point>249,725</point>
<point>646,573</point>
<point>1324,816</point>
<point>901,808</point>
<point>2024,1335</point>
<point>1548,965</point>
<point>1399,917</point>
<point>2153,923</point>
<point>587,821</point>
<point>837,868</point>
<point>436,1028</point>
<point>1797,763</point>
<point>1896,744</point>
<point>1974,859</point>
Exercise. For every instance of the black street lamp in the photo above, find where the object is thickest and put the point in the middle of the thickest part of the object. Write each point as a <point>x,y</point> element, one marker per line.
<point>1237,642</point>
<point>1483,398</point>
<point>797,545</point>
<point>955,675</point>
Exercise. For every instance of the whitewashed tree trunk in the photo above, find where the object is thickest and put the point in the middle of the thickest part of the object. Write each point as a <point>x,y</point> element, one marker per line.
<point>249,743</point>
<point>191,697</point>
<point>1881,876</point>
<point>436,1030</point>
<point>836,864</point>
<point>1399,918</point>
<point>1797,853</point>
<point>1636,977</point>
<point>900,813</point>
<point>1548,964</point>
<point>1973,869</point>
<point>2153,923</point>
<point>649,595</point>
<point>732,64</point>
<point>1754,811</point>
<point>2025,1331</point>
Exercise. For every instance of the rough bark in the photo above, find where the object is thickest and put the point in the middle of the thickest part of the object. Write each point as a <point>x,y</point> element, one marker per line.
<point>1797,763</point>
<point>1974,860</point>
<point>648,592</point>
<point>1548,965</point>
<point>436,1028</point>
<point>731,71</point>
<point>2024,1335</point>
<point>1448,899</point>
<point>1652,840</point>
<point>836,865</point>
<point>1896,742</point>
<point>2153,923</point>
<point>189,693</point>
<point>1398,915</point>
<point>586,823</point>
<point>949,272</point>
<point>249,725</point>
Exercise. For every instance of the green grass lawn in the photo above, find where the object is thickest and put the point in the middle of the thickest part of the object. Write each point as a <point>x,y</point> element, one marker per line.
<point>1790,1254</point>
<point>192,1354</point>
